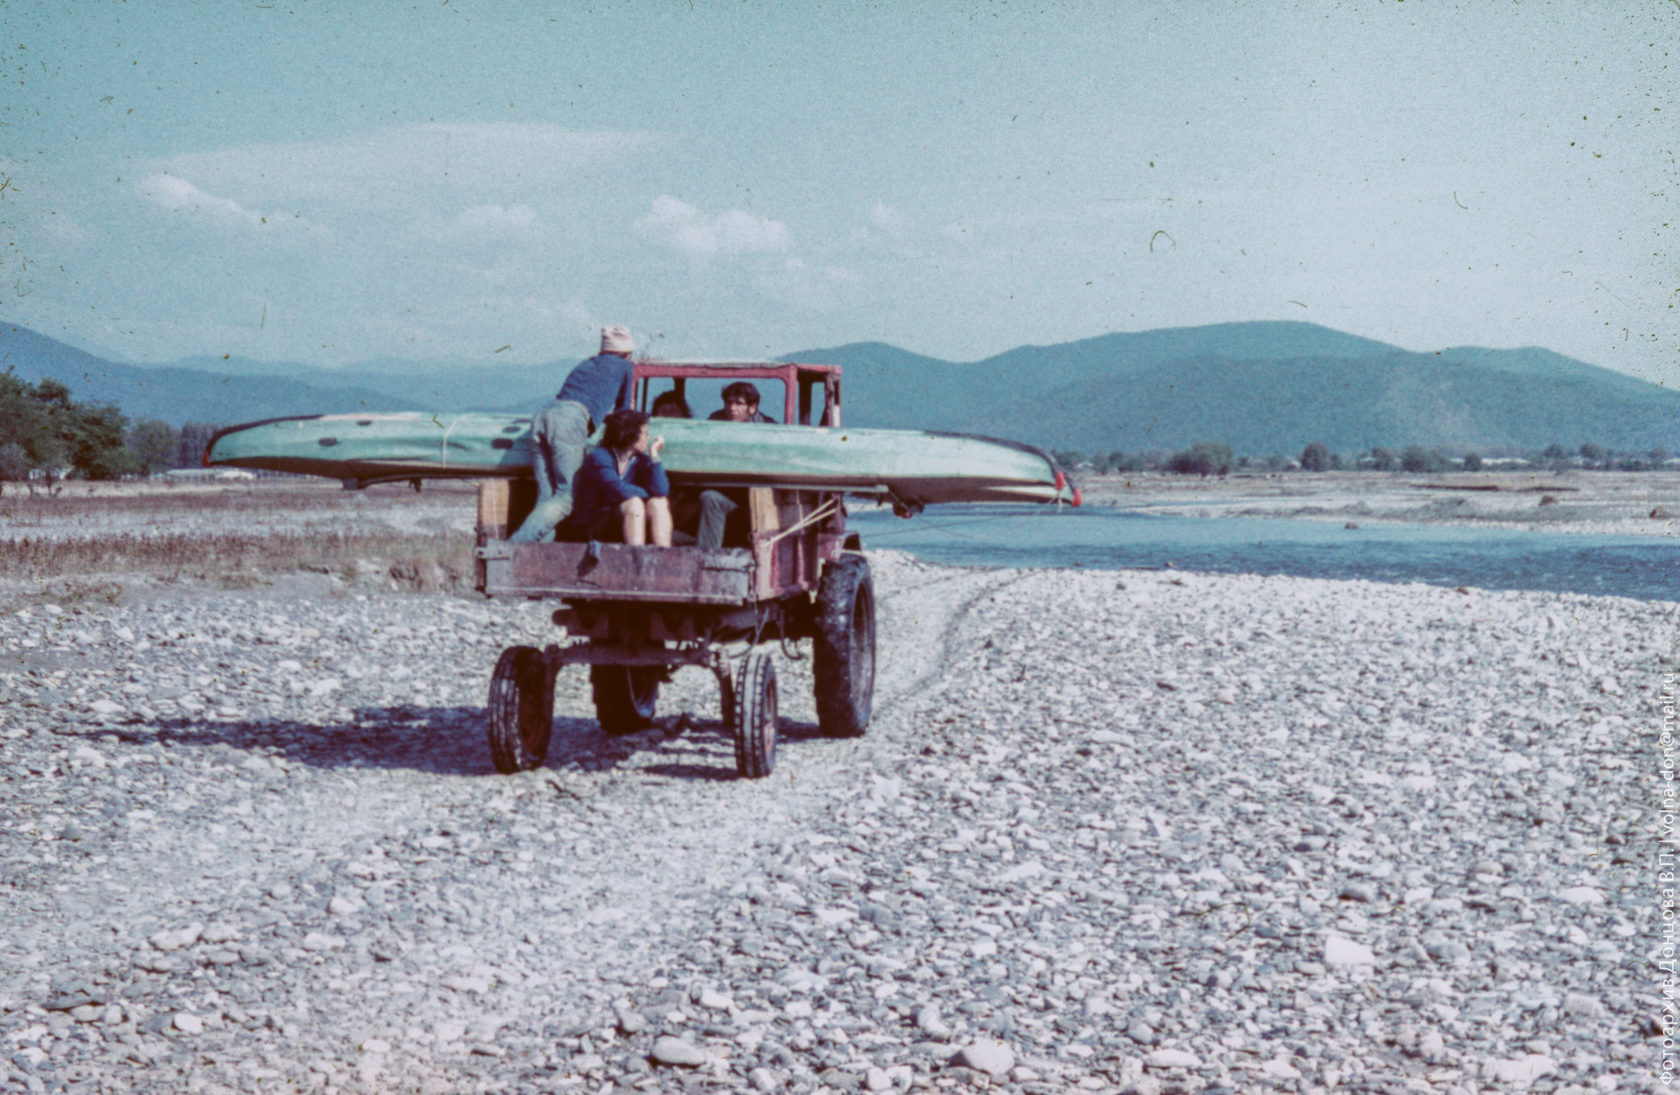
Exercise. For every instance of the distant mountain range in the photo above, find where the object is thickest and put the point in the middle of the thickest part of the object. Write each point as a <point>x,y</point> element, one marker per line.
<point>1262,388</point>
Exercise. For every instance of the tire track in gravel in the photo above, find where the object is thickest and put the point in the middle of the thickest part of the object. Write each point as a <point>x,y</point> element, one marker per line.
<point>937,653</point>
<point>528,903</point>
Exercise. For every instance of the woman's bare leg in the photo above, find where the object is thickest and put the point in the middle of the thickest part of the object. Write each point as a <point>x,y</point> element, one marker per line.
<point>635,521</point>
<point>659,521</point>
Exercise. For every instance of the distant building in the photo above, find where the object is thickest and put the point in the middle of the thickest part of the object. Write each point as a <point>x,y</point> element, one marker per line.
<point>205,474</point>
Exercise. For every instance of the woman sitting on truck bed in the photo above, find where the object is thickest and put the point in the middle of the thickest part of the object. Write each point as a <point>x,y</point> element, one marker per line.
<point>622,493</point>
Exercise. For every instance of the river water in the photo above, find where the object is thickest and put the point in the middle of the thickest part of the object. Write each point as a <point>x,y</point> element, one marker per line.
<point>1108,537</point>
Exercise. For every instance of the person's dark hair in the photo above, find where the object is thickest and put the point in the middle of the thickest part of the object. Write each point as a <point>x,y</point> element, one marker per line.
<point>622,428</point>
<point>671,405</point>
<point>741,390</point>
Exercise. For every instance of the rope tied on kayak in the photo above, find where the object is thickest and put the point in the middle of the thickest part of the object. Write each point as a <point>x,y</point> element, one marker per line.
<point>823,511</point>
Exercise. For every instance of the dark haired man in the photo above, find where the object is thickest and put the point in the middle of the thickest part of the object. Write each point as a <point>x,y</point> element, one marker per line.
<point>740,404</point>
<point>560,430</point>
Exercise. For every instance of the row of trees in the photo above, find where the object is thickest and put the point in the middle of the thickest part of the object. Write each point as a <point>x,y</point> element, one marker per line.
<point>46,435</point>
<point>1216,458</point>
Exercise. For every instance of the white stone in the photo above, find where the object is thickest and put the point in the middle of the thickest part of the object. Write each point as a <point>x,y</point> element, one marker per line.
<point>220,932</point>
<point>343,905</point>
<point>1512,763</point>
<point>1341,952</point>
<point>1172,1058</point>
<point>175,939</point>
<point>714,1000</point>
<point>930,1023</point>
<point>1030,869</point>
<point>450,1030</point>
<point>986,1055</point>
<point>1519,1071</point>
<point>1581,1006</point>
<point>188,1023</point>
<point>1581,895</point>
<point>320,941</point>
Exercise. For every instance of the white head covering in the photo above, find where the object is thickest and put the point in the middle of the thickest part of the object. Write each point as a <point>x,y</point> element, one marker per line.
<point>616,340</point>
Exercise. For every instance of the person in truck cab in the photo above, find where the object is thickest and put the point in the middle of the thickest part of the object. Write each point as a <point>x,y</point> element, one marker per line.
<point>740,404</point>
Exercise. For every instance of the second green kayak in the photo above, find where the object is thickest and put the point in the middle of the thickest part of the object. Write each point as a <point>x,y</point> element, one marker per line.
<point>910,466</point>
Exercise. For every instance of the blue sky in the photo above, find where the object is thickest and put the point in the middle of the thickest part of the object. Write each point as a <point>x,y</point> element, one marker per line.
<point>478,184</point>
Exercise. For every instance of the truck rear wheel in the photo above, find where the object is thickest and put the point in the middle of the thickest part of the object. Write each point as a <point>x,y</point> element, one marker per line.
<point>843,662</point>
<point>625,696</point>
<point>754,718</point>
<point>521,709</point>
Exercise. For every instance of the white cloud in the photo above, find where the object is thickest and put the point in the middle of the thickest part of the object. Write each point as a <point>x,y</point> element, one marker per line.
<point>838,275</point>
<point>399,164</point>
<point>493,218</point>
<point>180,195</point>
<point>887,219</point>
<point>176,193</point>
<point>683,227</point>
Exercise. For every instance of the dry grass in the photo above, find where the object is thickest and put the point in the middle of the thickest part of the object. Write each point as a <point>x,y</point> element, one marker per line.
<point>425,561</point>
<point>237,552</point>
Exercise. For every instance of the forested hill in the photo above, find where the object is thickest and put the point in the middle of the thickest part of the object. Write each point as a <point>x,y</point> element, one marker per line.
<point>1265,387</point>
<point>1260,388</point>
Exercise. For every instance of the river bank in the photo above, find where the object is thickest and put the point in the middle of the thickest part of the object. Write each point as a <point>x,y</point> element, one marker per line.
<point>1109,832</point>
<point>1615,503</point>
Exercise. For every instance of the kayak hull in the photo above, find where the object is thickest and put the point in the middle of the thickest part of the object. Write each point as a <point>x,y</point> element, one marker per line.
<point>909,466</point>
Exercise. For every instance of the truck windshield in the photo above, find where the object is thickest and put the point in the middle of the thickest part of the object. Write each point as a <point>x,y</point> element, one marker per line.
<point>703,396</point>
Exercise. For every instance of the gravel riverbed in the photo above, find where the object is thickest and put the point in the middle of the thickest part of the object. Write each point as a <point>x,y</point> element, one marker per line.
<point>1116,831</point>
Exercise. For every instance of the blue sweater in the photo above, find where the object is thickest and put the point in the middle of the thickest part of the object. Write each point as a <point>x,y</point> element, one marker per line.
<point>600,489</point>
<point>601,383</point>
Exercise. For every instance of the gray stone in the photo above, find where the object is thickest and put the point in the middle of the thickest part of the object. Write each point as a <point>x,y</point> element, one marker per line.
<point>668,1050</point>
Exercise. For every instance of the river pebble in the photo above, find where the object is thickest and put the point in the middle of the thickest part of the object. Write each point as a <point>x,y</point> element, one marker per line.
<point>1157,831</point>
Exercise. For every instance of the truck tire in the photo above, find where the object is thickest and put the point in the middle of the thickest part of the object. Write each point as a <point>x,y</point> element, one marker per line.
<point>625,696</point>
<point>843,662</point>
<point>754,721</point>
<point>521,710</point>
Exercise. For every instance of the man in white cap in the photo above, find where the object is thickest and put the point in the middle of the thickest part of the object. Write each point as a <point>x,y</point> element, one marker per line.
<point>560,430</point>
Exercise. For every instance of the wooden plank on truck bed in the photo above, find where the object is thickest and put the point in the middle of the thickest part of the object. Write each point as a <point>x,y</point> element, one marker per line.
<point>673,575</point>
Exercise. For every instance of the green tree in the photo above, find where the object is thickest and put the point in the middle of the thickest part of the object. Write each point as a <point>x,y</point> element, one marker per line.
<point>1472,461</point>
<point>195,438</point>
<point>97,440</point>
<point>1384,459</point>
<point>1315,457</point>
<point>1203,458</point>
<point>54,431</point>
<point>14,464</point>
<point>152,445</point>
<point>1416,458</point>
<point>1592,452</point>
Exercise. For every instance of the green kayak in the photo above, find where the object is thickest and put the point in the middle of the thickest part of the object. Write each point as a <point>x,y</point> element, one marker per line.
<point>910,466</point>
